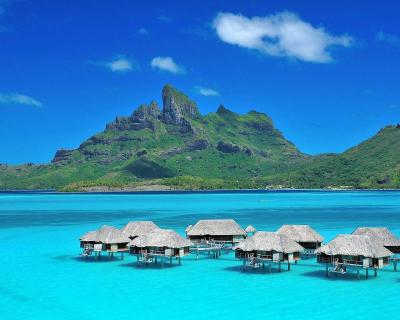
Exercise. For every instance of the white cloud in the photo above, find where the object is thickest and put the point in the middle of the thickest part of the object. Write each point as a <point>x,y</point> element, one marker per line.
<point>392,39</point>
<point>166,64</point>
<point>282,34</point>
<point>143,31</point>
<point>208,92</point>
<point>119,64</point>
<point>18,99</point>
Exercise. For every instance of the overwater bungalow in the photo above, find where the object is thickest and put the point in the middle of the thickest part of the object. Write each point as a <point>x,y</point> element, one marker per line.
<point>134,229</point>
<point>267,248</point>
<point>188,228</point>
<point>382,236</point>
<point>218,230</point>
<point>107,238</point>
<point>250,229</point>
<point>352,252</point>
<point>304,235</point>
<point>88,239</point>
<point>159,244</point>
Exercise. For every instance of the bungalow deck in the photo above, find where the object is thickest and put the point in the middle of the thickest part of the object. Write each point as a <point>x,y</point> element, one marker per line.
<point>336,267</point>
<point>211,247</point>
<point>152,256</point>
<point>258,261</point>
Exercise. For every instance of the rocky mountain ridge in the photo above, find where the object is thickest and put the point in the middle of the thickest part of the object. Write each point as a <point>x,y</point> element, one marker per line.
<point>176,147</point>
<point>179,118</point>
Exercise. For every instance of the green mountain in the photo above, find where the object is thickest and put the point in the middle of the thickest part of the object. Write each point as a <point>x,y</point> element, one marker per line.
<point>375,163</point>
<point>177,147</point>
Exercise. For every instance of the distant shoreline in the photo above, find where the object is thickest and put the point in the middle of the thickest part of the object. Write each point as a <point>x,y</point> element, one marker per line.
<point>217,191</point>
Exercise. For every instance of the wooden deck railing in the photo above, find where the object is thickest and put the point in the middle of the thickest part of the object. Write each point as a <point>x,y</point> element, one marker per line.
<point>344,261</point>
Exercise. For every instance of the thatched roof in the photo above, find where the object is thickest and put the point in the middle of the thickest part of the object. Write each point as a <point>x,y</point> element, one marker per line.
<point>160,238</point>
<point>107,235</point>
<point>137,228</point>
<point>300,233</point>
<point>269,241</point>
<point>188,228</point>
<point>111,235</point>
<point>354,245</point>
<point>89,236</point>
<point>217,227</point>
<point>380,235</point>
<point>250,228</point>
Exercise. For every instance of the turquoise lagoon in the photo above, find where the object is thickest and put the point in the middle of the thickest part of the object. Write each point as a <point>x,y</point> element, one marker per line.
<point>43,277</point>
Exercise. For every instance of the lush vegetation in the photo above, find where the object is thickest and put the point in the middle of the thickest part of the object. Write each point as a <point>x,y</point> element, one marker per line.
<point>177,148</point>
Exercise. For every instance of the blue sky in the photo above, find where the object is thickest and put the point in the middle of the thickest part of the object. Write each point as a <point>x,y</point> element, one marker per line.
<point>327,72</point>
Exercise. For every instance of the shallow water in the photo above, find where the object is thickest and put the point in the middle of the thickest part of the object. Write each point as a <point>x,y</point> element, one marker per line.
<point>42,276</point>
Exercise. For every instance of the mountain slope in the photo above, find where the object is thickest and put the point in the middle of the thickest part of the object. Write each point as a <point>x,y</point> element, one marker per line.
<point>375,163</point>
<point>175,141</point>
<point>176,147</point>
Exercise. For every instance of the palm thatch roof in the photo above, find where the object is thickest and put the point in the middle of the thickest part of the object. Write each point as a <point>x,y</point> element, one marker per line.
<point>250,228</point>
<point>300,233</point>
<point>269,241</point>
<point>188,228</point>
<point>137,228</point>
<point>216,227</point>
<point>379,235</point>
<point>89,237</point>
<point>354,245</point>
<point>111,235</point>
<point>106,235</point>
<point>160,238</point>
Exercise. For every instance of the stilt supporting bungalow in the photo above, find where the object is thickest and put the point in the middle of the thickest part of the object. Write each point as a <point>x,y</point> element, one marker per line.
<point>159,246</point>
<point>304,235</point>
<point>213,237</point>
<point>385,237</point>
<point>348,253</point>
<point>108,239</point>
<point>218,234</point>
<point>210,248</point>
<point>188,228</point>
<point>87,242</point>
<point>268,248</point>
<point>134,229</point>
